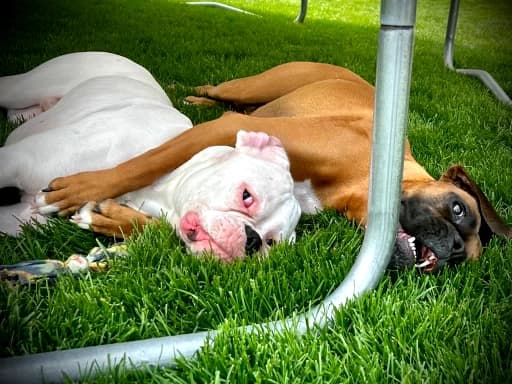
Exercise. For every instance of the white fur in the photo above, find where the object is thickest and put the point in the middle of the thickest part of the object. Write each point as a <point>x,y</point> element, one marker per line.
<point>93,110</point>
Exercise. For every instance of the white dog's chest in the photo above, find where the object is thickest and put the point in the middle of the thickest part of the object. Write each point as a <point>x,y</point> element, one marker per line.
<point>305,194</point>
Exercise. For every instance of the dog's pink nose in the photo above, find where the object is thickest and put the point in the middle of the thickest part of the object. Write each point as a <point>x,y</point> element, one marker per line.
<point>190,226</point>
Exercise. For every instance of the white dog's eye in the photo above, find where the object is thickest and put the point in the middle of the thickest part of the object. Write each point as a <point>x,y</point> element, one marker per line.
<point>247,198</point>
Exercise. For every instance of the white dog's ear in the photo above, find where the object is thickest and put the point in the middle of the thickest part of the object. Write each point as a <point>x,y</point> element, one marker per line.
<point>261,145</point>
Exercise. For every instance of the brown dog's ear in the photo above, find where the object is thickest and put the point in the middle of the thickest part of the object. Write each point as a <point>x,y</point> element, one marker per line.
<point>491,222</point>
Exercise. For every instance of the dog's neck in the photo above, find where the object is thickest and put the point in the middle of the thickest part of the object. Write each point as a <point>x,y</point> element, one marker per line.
<point>151,200</point>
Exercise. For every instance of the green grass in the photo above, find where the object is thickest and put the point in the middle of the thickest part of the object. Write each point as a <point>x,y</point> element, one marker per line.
<point>455,327</point>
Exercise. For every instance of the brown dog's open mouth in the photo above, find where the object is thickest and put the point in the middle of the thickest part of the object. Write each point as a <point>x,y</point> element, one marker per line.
<point>417,254</point>
<point>428,259</point>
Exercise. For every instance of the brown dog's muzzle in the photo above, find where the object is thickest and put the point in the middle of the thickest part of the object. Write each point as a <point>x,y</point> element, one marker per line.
<point>430,238</point>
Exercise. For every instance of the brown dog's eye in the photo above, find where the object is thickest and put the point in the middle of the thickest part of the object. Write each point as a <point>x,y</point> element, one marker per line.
<point>458,210</point>
<point>270,242</point>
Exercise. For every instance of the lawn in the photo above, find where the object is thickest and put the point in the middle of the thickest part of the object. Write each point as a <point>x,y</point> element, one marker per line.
<point>453,327</point>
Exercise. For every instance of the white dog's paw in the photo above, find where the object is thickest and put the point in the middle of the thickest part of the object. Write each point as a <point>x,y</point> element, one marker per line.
<point>21,115</point>
<point>25,114</point>
<point>83,218</point>
<point>39,205</point>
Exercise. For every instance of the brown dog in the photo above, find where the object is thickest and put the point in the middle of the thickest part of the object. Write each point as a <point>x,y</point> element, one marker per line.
<point>323,115</point>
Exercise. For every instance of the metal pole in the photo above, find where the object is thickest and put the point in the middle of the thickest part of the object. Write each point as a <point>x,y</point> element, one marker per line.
<point>482,75</point>
<point>390,121</point>
<point>450,34</point>
<point>302,12</point>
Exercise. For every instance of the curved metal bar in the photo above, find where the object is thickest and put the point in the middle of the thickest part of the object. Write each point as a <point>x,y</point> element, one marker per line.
<point>482,75</point>
<point>303,10</point>
<point>216,4</point>
<point>299,19</point>
<point>390,122</point>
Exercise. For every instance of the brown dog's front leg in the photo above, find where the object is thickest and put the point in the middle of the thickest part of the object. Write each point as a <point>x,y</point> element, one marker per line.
<point>111,218</point>
<point>69,193</point>
<point>311,157</point>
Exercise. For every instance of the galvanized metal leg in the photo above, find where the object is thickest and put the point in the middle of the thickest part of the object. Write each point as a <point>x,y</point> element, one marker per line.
<point>484,76</point>
<point>302,13</point>
<point>391,109</point>
<point>299,19</point>
<point>215,4</point>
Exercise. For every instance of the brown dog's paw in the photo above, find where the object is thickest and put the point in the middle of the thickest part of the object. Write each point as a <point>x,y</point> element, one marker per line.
<point>195,100</point>
<point>203,90</point>
<point>110,218</point>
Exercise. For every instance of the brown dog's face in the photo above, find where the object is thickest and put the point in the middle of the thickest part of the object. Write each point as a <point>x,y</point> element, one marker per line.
<point>444,222</point>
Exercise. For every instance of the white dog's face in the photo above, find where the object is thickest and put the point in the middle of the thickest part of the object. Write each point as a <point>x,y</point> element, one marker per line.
<point>235,201</point>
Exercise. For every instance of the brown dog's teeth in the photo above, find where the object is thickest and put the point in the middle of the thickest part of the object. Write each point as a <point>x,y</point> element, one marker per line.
<point>412,245</point>
<point>424,264</point>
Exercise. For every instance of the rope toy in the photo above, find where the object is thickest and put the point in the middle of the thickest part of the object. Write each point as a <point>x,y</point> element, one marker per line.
<point>33,271</point>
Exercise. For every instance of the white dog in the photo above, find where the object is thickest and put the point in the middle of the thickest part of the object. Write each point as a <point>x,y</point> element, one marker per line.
<point>93,110</point>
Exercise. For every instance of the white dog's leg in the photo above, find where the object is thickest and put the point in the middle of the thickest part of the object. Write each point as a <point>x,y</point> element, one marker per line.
<point>13,161</point>
<point>9,223</point>
<point>12,216</point>
<point>28,94</point>
<point>20,95</point>
<point>10,162</point>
